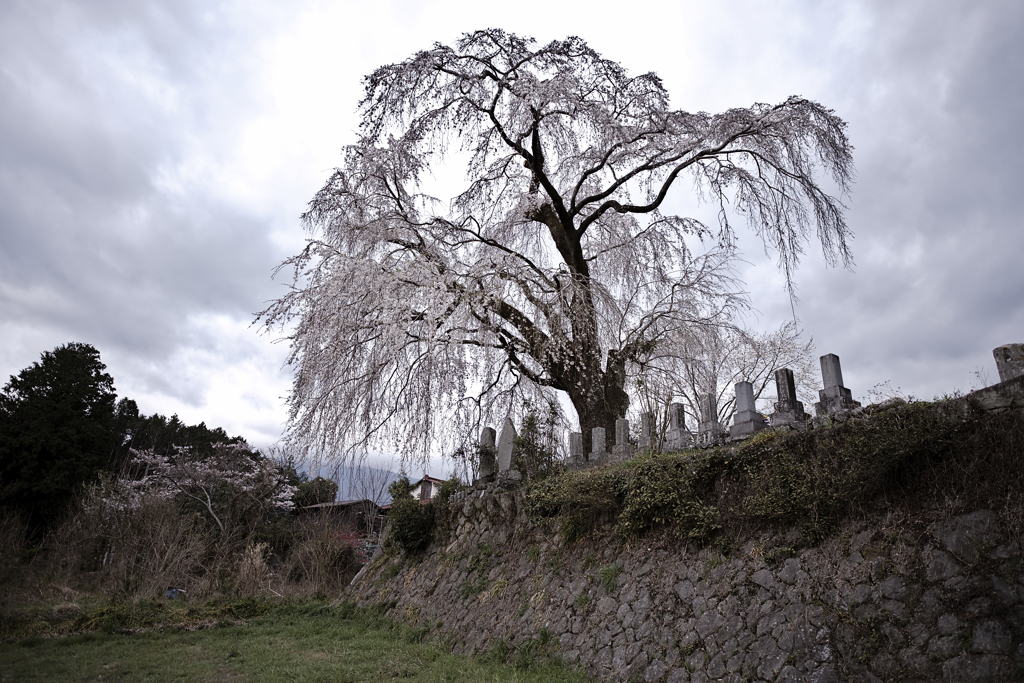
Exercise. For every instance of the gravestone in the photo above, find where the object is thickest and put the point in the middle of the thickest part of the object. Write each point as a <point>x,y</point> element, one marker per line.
<point>486,453</point>
<point>677,436</point>
<point>576,446</point>
<point>506,446</point>
<point>746,421</point>
<point>577,458</point>
<point>1009,361</point>
<point>597,445</point>
<point>709,430</point>
<point>622,449</point>
<point>647,440</point>
<point>789,412</point>
<point>834,397</point>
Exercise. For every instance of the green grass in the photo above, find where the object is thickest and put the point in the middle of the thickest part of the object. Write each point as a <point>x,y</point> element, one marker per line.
<point>287,642</point>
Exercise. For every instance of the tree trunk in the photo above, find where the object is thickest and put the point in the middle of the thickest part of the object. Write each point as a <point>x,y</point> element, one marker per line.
<point>600,398</point>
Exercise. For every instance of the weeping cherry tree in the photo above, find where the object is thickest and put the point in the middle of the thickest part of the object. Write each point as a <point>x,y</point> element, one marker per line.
<point>556,264</point>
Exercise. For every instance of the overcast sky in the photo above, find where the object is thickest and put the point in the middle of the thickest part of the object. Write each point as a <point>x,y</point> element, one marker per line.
<point>155,157</point>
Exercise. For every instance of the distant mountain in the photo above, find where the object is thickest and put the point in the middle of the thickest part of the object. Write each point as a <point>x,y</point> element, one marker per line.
<point>355,483</point>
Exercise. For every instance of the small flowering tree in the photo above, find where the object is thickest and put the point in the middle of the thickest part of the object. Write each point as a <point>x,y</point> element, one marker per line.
<point>234,474</point>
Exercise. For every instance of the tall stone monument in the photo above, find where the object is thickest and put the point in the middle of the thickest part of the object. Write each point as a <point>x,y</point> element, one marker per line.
<point>677,436</point>
<point>648,441</point>
<point>746,421</point>
<point>789,412</point>
<point>623,449</point>
<point>834,397</point>
<point>576,446</point>
<point>709,430</point>
<point>598,449</point>
<point>1009,361</point>
<point>507,446</point>
<point>486,470</point>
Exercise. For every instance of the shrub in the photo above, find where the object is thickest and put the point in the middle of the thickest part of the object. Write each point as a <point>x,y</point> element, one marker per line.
<point>135,552</point>
<point>580,499</point>
<point>536,453</point>
<point>410,524</point>
<point>323,556</point>
<point>443,511</point>
<point>811,479</point>
<point>672,491</point>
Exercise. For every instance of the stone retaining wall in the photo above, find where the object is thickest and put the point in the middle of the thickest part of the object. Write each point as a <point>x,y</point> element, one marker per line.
<point>876,602</point>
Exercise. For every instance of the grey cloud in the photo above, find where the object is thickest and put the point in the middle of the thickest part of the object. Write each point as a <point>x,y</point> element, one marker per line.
<point>933,108</point>
<point>100,99</point>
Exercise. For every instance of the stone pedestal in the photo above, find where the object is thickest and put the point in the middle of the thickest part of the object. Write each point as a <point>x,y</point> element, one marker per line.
<point>677,436</point>
<point>746,421</point>
<point>834,397</point>
<point>1009,361</point>
<point>789,412</point>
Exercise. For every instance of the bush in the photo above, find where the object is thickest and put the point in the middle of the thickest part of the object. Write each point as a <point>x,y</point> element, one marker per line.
<point>536,454</point>
<point>134,552</point>
<point>323,556</point>
<point>915,452</point>
<point>580,499</point>
<point>410,524</point>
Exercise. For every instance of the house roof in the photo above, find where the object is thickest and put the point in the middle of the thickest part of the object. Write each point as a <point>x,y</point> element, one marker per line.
<point>340,504</point>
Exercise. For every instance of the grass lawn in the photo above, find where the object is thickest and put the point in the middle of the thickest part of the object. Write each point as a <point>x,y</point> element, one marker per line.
<point>287,642</point>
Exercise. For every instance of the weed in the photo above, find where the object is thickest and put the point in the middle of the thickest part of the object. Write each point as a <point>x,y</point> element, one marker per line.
<point>779,553</point>
<point>497,589</point>
<point>416,635</point>
<point>607,577</point>
<point>500,652</point>
<point>555,562</point>
<point>532,553</point>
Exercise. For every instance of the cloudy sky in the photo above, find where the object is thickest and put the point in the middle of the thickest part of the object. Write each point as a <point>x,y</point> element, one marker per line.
<point>155,157</point>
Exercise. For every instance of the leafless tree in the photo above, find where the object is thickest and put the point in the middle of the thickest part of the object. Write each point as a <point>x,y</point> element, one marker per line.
<point>556,266</point>
<point>713,358</point>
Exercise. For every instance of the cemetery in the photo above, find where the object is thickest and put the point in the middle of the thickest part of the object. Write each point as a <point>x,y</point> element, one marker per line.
<point>876,542</point>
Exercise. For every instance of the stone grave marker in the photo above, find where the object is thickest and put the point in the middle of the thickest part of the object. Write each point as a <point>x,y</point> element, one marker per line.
<point>576,445</point>
<point>597,445</point>
<point>647,429</point>
<point>788,410</point>
<point>1009,361</point>
<point>834,397</point>
<point>709,429</point>
<point>487,435</point>
<point>486,469</point>
<point>507,446</point>
<point>746,421</point>
<point>677,437</point>
<point>622,449</point>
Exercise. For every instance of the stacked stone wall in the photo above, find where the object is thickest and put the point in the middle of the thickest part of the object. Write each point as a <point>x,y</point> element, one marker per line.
<point>884,599</point>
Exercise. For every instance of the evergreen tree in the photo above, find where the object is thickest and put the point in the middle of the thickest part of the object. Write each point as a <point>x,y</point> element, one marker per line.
<point>57,421</point>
